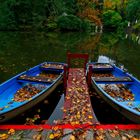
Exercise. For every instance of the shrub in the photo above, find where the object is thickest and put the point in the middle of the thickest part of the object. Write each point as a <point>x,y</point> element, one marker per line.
<point>71,22</point>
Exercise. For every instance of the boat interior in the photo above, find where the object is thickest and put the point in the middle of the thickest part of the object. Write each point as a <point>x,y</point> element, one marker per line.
<point>26,86</point>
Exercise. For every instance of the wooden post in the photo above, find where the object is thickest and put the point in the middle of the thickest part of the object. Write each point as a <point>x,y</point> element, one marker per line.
<point>65,77</point>
<point>89,75</point>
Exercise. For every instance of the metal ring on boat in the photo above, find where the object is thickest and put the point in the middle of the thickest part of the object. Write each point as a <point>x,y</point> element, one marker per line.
<point>2,117</point>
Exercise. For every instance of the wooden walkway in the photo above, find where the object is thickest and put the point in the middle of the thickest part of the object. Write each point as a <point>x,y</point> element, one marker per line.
<point>77,106</point>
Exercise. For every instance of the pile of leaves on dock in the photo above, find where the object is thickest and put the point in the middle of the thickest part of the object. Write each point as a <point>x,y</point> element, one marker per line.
<point>77,108</point>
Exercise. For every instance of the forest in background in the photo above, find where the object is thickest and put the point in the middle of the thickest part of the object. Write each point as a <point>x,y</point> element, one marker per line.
<point>69,15</point>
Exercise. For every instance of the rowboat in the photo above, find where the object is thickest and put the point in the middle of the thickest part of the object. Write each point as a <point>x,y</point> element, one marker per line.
<point>28,88</point>
<point>118,88</point>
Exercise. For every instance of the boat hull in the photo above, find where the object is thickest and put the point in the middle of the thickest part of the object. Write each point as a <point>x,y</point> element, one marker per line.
<point>15,112</point>
<point>128,114</point>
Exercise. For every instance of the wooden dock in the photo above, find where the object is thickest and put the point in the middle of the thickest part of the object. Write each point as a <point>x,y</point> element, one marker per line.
<point>78,118</point>
<point>77,106</point>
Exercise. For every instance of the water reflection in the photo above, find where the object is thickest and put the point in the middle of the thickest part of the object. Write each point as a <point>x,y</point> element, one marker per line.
<point>20,51</point>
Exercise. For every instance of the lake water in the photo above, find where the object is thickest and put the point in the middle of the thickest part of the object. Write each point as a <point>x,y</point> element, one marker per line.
<point>22,50</point>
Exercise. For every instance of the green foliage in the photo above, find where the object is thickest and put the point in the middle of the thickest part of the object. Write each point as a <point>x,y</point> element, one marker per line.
<point>71,22</point>
<point>35,14</point>
<point>51,26</point>
<point>120,31</point>
<point>133,10</point>
<point>111,19</point>
<point>137,26</point>
<point>71,6</point>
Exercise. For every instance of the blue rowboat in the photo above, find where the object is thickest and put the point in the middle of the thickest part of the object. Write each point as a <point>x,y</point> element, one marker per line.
<point>118,88</point>
<point>29,88</point>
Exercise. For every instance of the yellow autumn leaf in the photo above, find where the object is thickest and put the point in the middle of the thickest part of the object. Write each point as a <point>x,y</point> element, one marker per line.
<point>57,135</point>
<point>11,132</point>
<point>3,136</point>
<point>72,137</point>
<point>51,136</point>
<point>90,117</point>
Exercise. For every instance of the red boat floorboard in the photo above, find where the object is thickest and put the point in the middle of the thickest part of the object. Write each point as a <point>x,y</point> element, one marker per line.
<point>77,106</point>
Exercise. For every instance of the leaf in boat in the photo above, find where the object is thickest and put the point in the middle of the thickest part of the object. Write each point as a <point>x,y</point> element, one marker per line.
<point>1,108</point>
<point>6,106</point>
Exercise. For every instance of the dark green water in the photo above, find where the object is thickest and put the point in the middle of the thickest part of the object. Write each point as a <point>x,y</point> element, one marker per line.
<point>20,51</point>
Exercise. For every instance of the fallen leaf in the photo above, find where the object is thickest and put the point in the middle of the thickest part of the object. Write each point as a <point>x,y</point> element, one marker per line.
<point>72,137</point>
<point>51,136</point>
<point>90,117</point>
<point>11,132</point>
<point>3,136</point>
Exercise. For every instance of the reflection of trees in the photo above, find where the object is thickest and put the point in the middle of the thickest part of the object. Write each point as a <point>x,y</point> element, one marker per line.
<point>90,45</point>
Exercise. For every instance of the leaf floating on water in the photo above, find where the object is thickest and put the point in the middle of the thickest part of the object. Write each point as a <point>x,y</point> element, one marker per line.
<point>46,102</point>
<point>38,110</point>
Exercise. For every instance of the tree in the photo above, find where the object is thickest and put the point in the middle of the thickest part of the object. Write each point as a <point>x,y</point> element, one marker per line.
<point>133,10</point>
<point>88,10</point>
<point>111,19</point>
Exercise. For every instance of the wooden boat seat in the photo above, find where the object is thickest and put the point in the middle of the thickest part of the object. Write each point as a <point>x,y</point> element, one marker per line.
<point>112,79</point>
<point>36,79</point>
